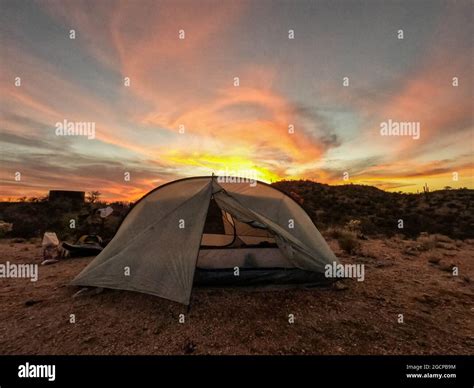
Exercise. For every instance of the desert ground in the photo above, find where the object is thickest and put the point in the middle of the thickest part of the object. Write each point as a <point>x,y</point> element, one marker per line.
<point>409,277</point>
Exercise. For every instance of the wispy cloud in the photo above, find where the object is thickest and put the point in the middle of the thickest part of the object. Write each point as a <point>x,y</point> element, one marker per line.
<point>190,83</point>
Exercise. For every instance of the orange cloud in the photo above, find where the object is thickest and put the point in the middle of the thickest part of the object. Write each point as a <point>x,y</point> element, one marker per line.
<point>165,71</point>
<point>189,82</point>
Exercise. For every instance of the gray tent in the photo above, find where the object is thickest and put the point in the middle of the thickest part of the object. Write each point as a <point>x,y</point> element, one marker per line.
<point>210,230</point>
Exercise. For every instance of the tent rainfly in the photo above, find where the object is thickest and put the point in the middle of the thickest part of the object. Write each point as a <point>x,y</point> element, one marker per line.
<point>211,231</point>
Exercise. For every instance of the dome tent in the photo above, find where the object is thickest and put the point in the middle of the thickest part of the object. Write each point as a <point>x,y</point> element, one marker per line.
<point>205,230</point>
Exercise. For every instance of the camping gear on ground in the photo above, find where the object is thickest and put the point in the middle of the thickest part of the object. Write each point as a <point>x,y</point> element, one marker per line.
<point>50,240</point>
<point>209,231</point>
<point>87,245</point>
<point>49,261</point>
<point>105,212</point>
<point>50,245</point>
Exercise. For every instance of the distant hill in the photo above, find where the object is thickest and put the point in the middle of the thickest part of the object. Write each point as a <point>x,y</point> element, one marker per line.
<point>447,212</point>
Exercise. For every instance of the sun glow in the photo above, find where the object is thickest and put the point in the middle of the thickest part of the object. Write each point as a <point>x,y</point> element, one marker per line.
<point>224,165</point>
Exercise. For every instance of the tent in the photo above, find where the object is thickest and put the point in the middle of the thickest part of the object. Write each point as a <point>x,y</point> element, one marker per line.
<point>210,230</point>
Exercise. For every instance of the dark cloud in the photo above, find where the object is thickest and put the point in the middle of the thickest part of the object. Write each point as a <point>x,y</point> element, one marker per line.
<point>318,125</point>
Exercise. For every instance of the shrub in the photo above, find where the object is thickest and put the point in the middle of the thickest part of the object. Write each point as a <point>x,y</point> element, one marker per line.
<point>426,242</point>
<point>353,226</point>
<point>333,232</point>
<point>348,241</point>
<point>442,238</point>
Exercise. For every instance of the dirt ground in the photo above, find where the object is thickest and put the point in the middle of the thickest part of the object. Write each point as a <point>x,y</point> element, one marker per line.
<point>351,318</point>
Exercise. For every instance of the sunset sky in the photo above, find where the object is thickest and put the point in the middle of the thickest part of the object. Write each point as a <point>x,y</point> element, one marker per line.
<point>190,82</point>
